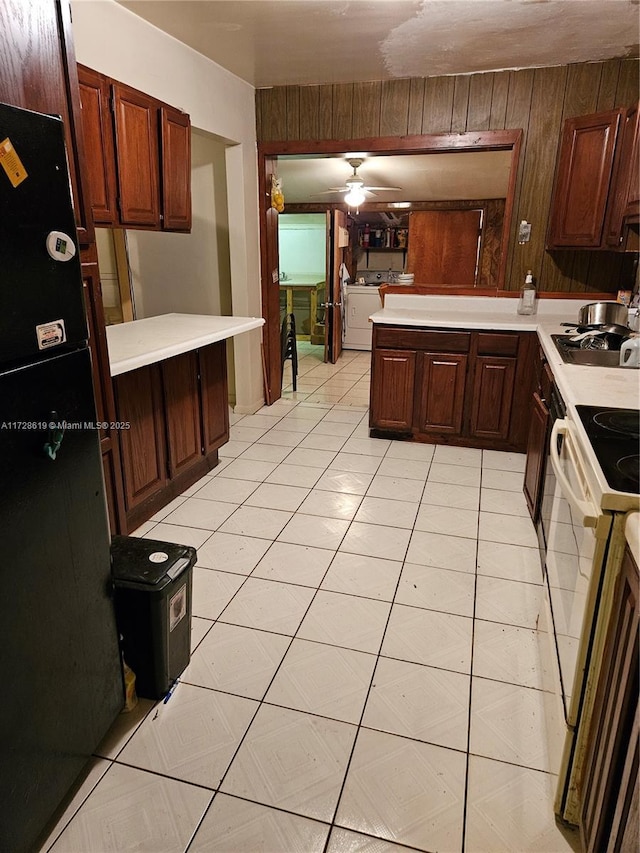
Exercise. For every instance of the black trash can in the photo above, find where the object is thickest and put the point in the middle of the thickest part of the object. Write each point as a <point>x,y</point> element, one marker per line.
<point>152,591</point>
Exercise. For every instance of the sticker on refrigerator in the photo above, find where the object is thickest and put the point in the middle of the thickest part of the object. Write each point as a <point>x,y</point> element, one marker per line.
<point>177,607</point>
<point>11,163</point>
<point>51,334</point>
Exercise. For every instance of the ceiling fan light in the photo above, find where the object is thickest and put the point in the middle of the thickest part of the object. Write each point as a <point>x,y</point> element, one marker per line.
<point>355,197</point>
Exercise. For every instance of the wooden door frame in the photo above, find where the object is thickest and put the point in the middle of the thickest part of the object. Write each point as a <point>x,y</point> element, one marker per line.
<point>440,143</point>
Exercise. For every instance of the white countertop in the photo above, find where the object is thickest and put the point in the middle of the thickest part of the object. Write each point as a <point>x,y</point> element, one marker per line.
<point>141,342</point>
<point>615,387</point>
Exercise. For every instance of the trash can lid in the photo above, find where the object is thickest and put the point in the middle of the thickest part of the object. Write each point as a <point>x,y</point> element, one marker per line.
<point>148,561</point>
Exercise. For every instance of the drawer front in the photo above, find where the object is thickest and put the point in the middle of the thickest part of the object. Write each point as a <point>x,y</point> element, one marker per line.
<point>490,343</point>
<point>401,337</point>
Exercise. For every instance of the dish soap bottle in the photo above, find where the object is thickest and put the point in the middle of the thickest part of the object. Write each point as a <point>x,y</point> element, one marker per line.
<point>527,301</point>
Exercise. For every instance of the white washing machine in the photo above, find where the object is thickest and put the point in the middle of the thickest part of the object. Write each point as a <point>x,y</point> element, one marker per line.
<point>361,301</point>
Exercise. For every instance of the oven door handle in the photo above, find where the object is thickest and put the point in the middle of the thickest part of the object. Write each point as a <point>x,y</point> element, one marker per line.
<point>589,512</point>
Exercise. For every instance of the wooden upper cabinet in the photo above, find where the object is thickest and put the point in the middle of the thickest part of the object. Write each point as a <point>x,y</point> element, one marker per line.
<point>176,169</point>
<point>136,123</point>
<point>98,135</point>
<point>584,180</point>
<point>623,198</point>
<point>138,154</point>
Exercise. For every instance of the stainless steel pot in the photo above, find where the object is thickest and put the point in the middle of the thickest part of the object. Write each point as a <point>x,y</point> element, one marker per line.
<point>603,313</point>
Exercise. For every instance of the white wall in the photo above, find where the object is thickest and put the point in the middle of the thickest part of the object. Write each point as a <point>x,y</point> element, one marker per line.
<point>116,42</point>
<point>302,239</point>
<point>188,273</point>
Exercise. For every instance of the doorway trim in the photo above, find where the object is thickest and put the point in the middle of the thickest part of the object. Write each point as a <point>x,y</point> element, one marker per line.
<point>268,153</point>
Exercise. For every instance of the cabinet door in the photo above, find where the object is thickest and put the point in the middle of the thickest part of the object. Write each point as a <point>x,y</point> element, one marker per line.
<point>176,170</point>
<point>392,388</point>
<point>442,385</point>
<point>98,139</point>
<point>585,167</point>
<point>136,123</point>
<point>139,402</point>
<point>492,396</point>
<point>623,198</point>
<point>536,456</point>
<point>609,796</point>
<point>182,411</point>
<point>443,246</point>
<point>215,396</point>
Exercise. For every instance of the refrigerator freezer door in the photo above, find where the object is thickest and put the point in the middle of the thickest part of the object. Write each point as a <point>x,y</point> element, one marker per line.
<point>58,640</point>
<point>40,279</point>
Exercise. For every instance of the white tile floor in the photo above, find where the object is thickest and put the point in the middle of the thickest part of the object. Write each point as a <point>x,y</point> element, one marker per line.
<point>365,672</point>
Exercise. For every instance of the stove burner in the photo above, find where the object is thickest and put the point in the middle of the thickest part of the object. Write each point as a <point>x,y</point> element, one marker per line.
<point>629,467</point>
<point>621,421</point>
<point>614,435</point>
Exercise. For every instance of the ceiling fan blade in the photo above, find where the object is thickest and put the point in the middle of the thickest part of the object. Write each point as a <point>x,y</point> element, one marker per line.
<point>394,189</point>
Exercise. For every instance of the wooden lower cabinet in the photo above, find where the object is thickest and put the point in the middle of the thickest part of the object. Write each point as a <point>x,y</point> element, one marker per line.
<point>442,387</point>
<point>536,456</point>
<point>492,396</point>
<point>143,444</point>
<point>177,412</point>
<point>393,378</point>
<point>215,394</point>
<point>182,411</point>
<point>609,812</point>
<point>452,386</point>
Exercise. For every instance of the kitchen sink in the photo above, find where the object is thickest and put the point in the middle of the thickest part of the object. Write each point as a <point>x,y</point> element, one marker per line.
<point>593,357</point>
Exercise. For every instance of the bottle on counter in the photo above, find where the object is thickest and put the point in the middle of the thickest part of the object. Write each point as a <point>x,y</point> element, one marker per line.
<point>527,302</point>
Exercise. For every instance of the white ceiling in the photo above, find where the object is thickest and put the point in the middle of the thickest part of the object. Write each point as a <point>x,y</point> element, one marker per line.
<point>421,177</point>
<point>287,42</point>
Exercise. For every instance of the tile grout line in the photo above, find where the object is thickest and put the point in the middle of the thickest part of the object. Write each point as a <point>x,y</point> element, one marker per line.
<point>373,674</point>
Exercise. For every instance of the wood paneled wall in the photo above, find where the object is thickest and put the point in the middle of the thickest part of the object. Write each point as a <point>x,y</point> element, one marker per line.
<point>538,100</point>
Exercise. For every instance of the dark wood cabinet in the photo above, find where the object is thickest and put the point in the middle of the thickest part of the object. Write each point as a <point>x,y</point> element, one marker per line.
<point>392,387</point>
<point>139,156</point>
<point>175,136</point>
<point>215,395</point>
<point>442,388</point>
<point>536,456</point>
<point>609,802</point>
<point>176,416</point>
<point>624,196</point>
<point>136,148</point>
<point>182,411</point>
<point>493,383</point>
<point>143,444</point>
<point>453,386</point>
<point>98,134</point>
<point>594,192</point>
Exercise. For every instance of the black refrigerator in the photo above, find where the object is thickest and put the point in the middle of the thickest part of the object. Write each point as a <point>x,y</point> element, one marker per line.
<point>58,642</point>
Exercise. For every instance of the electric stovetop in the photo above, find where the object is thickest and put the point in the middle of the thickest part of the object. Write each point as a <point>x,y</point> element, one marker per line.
<point>615,437</point>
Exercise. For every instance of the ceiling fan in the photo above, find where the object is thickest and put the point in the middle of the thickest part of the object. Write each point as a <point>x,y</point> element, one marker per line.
<point>355,190</point>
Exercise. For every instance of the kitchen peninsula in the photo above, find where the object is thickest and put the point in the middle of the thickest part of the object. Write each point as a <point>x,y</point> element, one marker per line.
<point>171,395</point>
